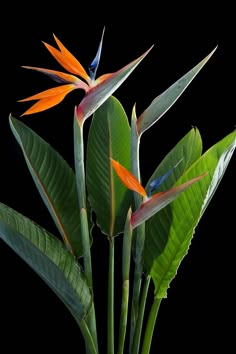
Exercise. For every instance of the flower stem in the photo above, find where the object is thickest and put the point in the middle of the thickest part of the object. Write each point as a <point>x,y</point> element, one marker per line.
<point>139,235</point>
<point>126,255</point>
<point>86,246</point>
<point>110,310</point>
<point>138,270</point>
<point>80,182</point>
<point>81,191</point>
<point>138,329</point>
<point>150,326</point>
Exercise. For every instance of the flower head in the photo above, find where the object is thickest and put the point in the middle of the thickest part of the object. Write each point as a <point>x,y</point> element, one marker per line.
<point>96,90</point>
<point>151,204</point>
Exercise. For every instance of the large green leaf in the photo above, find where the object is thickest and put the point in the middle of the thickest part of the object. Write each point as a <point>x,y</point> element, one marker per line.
<point>187,150</point>
<point>169,232</point>
<point>49,258</point>
<point>109,136</point>
<point>55,181</point>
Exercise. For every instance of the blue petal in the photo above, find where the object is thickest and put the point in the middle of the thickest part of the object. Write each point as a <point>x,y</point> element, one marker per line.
<point>159,180</point>
<point>94,65</point>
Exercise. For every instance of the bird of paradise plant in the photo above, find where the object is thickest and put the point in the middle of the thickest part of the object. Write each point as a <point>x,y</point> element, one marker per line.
<point>156,221</point>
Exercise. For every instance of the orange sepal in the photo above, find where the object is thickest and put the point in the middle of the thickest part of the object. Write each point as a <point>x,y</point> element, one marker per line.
<point>67,60</point>
<point>48,98</point>
<point>129,180</point>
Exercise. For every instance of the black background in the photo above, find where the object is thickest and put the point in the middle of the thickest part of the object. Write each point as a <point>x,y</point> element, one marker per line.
<point>196,314</point>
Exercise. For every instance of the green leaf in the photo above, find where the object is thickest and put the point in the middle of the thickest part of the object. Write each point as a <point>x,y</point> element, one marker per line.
<point>169,232</point>
<point>163,102</point>
<point>109,136</point>
<point>187,150</point>
<point>55,181</point>
<point>49,258</point>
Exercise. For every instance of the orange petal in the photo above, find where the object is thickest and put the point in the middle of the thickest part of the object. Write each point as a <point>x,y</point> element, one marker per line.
<point>48,98</point>
<point>67,60</point>
<point>60,77</point>
<point>129,180</point>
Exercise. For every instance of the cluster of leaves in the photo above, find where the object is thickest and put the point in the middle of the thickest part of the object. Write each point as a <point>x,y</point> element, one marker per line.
<point>157,228</point>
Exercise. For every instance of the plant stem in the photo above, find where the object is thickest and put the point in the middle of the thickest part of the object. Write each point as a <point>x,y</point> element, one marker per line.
<point>150,326</point>
<point>110,310</point>
<point>139,236</point>
<point>126,255</point>
<point>138,329</point>
<point>81,190</point>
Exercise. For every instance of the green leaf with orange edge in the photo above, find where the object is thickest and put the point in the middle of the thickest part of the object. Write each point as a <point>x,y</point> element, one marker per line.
<point>109,137</point>
<point>49,258</point>
<point>55,181</point>
<point>170,231</point>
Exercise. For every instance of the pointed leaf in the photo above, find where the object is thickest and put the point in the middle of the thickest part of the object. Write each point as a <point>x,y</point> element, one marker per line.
<point>164,101</point>
<point>55,181</point>
<point>169,232</point>
<point>109,198</point>
<point>100,93</point>
<point>189,149</point>
<point>49,258</point>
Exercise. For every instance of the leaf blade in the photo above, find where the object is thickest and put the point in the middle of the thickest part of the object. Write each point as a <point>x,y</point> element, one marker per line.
<point>109,199</point>
<point>48,257</point>
<point>188,150</point>
<point>55,182</point>
<point>170,234</point>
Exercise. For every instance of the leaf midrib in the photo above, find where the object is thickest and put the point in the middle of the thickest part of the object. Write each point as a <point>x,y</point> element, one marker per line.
<point>111,180</point>
<point>60,225</point>
<point>63,231</point>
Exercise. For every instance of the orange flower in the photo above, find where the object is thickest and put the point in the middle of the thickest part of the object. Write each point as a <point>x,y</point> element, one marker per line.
<point>151,204</point>
<point>96,90</point>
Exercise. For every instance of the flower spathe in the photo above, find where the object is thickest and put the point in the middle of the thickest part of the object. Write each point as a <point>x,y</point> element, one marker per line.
<point>96,90</point>
<point>151,204</point>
